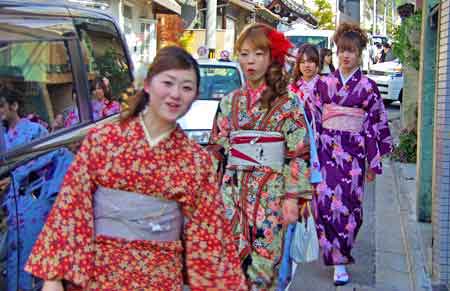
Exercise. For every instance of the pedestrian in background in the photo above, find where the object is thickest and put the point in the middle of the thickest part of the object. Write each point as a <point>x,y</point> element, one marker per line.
<point>308,88</point>
<point>117,223</point>
<point>326,66</point>
<point>354,132</point>
<point>261,141</point>
<point>386,53</point>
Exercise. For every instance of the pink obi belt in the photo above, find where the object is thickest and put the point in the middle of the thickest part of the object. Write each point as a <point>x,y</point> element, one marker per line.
<point>343,118</point>
<point>250,148</point>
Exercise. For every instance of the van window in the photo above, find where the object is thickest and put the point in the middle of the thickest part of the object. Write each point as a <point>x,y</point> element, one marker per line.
<point>106,65</point>
<point>318,41</point>
<point>37,96</point>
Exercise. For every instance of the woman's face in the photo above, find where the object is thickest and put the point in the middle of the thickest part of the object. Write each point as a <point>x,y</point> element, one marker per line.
<point>307,68</point>
<point>254,62</point>
<point>171,94</point>
<point>327,59</point>
<point>99,93</point>
<point>348,59</point>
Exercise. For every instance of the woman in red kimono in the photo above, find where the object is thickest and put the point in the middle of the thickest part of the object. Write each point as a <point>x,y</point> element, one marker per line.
<point>117,223</point>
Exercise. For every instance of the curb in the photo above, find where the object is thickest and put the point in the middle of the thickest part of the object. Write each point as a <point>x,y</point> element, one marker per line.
<point>412,242</point>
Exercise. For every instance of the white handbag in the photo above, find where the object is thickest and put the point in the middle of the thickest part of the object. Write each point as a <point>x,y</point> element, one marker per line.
<point>305,244</point>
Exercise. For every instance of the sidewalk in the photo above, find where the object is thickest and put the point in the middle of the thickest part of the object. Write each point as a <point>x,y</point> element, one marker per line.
<point>401,262</point>
<point>389,249</point>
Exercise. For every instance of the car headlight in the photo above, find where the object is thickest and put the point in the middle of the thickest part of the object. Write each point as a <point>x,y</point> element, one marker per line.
<point>398,71</point>
<point>200,136</point>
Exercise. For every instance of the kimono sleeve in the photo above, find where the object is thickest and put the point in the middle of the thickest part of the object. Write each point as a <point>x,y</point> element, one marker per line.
<point>65,248</point>
<point>296,169</point>
<point>378,139</point>
<point>219,142</point>
<point>212,262</point>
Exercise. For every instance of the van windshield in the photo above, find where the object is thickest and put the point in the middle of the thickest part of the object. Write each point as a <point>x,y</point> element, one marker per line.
<point>318,41</point>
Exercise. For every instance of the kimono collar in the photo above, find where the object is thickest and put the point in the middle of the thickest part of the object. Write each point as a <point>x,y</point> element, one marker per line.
<point>255,93</point>
<point>345,81</point>
<point>309,83</point>
<point>154,140</point>
<point>301,85</point>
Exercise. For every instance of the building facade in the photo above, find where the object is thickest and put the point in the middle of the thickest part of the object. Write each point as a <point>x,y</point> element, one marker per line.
<point>441,159</point>
<point>147,25</point>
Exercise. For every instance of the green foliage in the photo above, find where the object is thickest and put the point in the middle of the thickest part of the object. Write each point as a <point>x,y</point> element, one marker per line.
<point>406,41</point>
<point>324,14</point>
<point>406,151</point>
<point>112,65</point>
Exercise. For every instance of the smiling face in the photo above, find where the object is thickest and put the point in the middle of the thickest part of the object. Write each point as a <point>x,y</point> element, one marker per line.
<point>307,67</point>
<point>171,94</point>
<point>254,62</point>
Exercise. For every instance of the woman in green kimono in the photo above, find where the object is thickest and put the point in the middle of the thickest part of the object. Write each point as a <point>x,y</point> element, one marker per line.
<point>260,141</point>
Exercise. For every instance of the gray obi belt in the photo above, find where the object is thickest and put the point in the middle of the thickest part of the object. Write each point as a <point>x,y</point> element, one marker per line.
<point>134,216</point>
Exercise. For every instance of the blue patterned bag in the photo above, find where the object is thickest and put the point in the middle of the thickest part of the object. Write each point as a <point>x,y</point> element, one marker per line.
<point>30,198</point>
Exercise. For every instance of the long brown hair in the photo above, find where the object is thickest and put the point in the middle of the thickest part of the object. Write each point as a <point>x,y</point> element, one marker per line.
<point>168,58</point>
<point>107,91</point>
<point>310,52</point>
<point>324,52</point>
<point>276,80</point>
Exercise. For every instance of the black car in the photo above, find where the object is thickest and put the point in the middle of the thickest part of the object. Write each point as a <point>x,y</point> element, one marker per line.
<point>62,70</point>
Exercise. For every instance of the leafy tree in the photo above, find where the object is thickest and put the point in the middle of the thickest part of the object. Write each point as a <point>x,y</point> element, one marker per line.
<point>112,66</point>
<point>406,41</point>
<point>324,14</point>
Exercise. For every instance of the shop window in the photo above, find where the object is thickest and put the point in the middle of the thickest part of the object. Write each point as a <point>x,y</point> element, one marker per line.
<point>106,64</point>
<point>37,95</point>
<point>128,19</point>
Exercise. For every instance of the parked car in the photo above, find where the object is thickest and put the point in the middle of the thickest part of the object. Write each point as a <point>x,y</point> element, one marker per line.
<point>51,54</point>
<point>389,79</point>
<point>217,79</point>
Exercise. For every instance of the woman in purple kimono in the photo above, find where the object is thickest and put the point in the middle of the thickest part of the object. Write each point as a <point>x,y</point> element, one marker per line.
<point>354,131</point>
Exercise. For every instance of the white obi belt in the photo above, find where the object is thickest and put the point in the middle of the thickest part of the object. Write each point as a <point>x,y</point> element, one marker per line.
<point>253,148</point>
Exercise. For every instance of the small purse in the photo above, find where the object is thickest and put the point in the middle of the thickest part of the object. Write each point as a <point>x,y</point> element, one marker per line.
<point>305,244</point>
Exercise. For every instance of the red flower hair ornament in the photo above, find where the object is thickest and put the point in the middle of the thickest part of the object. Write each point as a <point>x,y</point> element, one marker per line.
<point>279,45</point>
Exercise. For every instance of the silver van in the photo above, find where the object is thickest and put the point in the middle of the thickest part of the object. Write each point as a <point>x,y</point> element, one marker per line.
<point>63,68</point>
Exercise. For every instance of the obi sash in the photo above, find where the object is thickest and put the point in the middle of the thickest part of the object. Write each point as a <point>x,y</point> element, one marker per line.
<point>343,118</point>
<point>134,216</point>
<point>256,148</point>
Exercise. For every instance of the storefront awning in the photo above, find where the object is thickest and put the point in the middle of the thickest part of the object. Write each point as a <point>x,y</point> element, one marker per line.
<point>292,9</point>
<point>171,5</point>
<point>247,5</point>
<point>266,14</point>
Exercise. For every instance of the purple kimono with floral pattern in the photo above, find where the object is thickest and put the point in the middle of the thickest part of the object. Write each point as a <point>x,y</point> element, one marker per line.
<point>343,156</point>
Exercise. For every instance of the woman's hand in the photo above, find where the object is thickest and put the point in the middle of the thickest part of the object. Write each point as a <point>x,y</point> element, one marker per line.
<point>370,175</point>
<point>290,211</point>
<point>304,209</point>
<point>4,183</point>
<point>53,286</point>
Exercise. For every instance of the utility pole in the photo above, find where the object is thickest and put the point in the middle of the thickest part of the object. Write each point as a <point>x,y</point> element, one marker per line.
<point>211,25</point>
<point>374,23</point>
<point>385,19</point>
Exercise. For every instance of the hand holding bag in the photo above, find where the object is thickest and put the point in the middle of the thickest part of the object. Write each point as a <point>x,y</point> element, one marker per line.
<point>305,244</point>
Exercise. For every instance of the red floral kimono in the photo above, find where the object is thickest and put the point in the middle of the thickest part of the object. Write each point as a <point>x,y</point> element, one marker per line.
<point>119,156</point>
